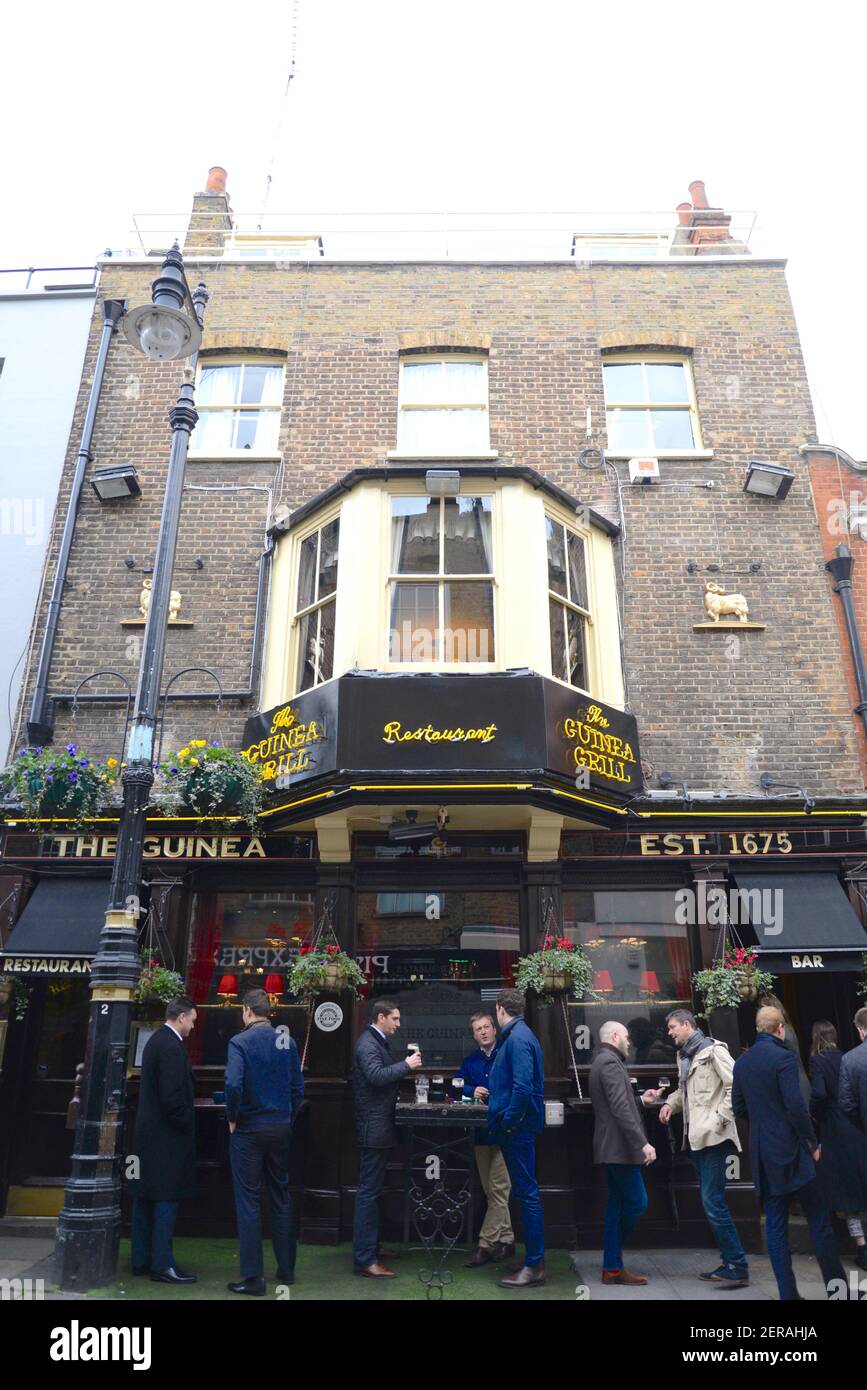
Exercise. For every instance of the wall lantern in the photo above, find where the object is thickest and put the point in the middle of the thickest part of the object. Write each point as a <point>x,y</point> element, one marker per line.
<point>442,482</point>
<point>768,479</point>
<point>111,483</point>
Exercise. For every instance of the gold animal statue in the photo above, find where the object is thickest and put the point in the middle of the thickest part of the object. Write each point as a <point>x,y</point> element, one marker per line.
<point>717,602</point>
<point>144,601</point>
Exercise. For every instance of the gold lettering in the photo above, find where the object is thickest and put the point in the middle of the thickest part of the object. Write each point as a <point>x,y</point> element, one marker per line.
<point>673,844</point>
<point>87,847</point>
<point>151,847</point>
<point>254,847</point>
<point>63,842</point>
<point>229,846</point>
<point>206,847</point>
<point>109,846</point>
<point>648,844</point>
<point>174,853</point>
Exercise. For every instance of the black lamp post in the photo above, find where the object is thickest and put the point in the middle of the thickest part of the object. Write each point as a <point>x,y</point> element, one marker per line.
<point>88,1229</point>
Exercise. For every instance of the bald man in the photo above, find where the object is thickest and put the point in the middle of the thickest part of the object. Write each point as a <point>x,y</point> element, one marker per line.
<point>620,1143</point>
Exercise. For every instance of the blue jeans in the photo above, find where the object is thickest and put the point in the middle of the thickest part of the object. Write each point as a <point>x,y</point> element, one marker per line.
<point>821,1234</point>
<point>710,1164</point>
<point>372,1165</point>
<point>627,1201</point>
<point>519,1151</point>
<point>153,1225</point>
<point>253,1153</point>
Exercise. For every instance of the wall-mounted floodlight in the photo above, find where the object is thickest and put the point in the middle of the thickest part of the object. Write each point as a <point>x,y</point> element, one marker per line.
<point>768,479</point>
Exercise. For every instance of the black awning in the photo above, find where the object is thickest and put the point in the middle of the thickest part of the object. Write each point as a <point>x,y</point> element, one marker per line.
<point>58,931</point>
<point>811,926</point>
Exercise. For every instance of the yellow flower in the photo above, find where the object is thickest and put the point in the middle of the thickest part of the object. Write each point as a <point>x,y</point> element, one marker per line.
<point>197,742</point>
<point>184,753</point>
<point>111,762</point>
<point>194,762</point>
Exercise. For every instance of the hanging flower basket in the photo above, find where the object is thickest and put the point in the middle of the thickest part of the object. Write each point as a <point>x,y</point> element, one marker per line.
<point>324,971</point>
<point>157,984</point>
<point>55,785</point>
<point>560,967</point>
<point>206,780</point>
<point>734,980</point>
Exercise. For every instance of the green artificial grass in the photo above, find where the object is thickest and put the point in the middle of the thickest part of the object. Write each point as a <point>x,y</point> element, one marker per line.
<point>324,1274</point>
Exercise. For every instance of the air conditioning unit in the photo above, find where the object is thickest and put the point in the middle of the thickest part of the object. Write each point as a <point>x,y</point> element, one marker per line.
<point>644,470</point>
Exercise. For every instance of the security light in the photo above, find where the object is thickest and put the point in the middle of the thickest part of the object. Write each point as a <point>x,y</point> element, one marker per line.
<point>768,479</point>
<point>111,483</point>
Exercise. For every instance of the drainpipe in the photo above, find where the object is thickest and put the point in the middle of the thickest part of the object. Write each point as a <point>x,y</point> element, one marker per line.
<point>840,569</point>
<point>40,725</point>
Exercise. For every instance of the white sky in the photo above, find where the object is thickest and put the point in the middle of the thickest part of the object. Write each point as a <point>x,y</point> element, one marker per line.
<point>459,105</point>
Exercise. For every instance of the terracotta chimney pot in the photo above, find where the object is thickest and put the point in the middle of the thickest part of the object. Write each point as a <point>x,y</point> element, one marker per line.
<point>684,214</point>
<point>216,180</point>
<point>697,193</point>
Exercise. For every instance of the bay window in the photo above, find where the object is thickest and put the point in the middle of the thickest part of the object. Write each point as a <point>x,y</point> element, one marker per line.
<point>316,606</point>
<point>568,610</point>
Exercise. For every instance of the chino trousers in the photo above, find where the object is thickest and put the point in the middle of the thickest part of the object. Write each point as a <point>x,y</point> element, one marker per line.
<point>494,1176</point>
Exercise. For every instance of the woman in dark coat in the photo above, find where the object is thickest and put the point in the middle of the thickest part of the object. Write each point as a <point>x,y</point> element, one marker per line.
<point>842,1169</point>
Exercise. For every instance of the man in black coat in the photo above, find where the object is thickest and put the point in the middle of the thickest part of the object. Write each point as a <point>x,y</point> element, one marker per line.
<point>164,1145</point>
<point>375,1081</point>
<point>853,1077</point>
<point>784,1150</point>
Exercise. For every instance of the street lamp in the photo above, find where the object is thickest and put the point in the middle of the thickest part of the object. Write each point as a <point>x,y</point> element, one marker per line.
<point>88,1228</point>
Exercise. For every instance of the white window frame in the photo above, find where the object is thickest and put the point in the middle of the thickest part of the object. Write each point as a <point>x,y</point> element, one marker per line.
<point>403,405</point>
<point>440,579</point>
<point>242,360</point>
<point>298,614</point>
<point>680,359</point>
<point>566,601</point>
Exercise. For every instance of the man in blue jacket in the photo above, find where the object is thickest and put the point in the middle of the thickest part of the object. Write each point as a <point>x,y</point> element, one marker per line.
<point>783,1150</point>
<point>516,1114</point>
<point>496,1238</point>
<point>264,1087</point>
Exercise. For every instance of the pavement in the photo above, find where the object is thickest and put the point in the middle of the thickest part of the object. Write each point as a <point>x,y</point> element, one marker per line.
<point>324,1274</point>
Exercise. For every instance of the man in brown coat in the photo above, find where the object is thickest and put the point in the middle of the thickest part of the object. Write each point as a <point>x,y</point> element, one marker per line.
<point>620,1142</point>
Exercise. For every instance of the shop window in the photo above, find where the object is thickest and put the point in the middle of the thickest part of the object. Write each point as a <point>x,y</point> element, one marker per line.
<point>650,405</point>
<point>443,406</point>
<point>568,611</point>
<point>316,606</point>
<point>641,964</point>
<point>242,941</point>
<point>239,407</point>
<point>441,580</point>
<point>440,965</point>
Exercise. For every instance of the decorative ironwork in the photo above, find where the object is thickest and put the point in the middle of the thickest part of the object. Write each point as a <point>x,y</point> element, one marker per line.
<point>118,676</point>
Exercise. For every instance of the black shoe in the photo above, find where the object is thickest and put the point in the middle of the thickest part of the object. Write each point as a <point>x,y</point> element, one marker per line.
<point>254,1287</point>
<point>285,1278</point>
<point>139,1270</point>
<point>172,1276</point>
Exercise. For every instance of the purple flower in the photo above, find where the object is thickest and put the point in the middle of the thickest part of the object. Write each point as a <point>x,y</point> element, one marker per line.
<point>71,749</point>
<point>73,777</point>
<point>22,752</point>
<point>214,743</point>
<point>83,762</point>
<point>173,771</point>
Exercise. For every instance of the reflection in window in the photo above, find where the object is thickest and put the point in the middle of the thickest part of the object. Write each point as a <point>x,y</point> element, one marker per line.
<point>436,616</point>
<point>650,406</point>
<point>568,611</point>
<point>441,958</point>
<point>241,941</point>
<point>317,606</point>
<point>640,959</point>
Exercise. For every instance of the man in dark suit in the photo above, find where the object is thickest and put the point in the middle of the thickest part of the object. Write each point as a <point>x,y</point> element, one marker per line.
<point>264,1088</point>
<point>516,1114</point>
<point>853,1077</point>
<point>164,1145</point>
<point>375,1081</point>
<point>783,1150</point>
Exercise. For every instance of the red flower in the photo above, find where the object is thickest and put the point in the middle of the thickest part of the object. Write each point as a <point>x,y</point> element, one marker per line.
<point>549,942</point>
<point>305,950</point>
<point>565,944</point>
<point>332,950</point>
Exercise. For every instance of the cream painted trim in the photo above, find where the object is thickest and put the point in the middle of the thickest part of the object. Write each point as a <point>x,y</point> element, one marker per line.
<point>671,455</point>
<point>683,359</point>
<point>543,836</point>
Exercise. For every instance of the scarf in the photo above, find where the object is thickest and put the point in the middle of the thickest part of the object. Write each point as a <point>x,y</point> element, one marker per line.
<point>696,1042</point>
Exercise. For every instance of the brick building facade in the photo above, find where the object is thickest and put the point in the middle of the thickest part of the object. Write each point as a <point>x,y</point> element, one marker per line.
<point>713,709</point>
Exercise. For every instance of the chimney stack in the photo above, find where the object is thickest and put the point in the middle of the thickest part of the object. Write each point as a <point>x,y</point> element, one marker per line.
<point>703,230</point>
<point>211,217</point>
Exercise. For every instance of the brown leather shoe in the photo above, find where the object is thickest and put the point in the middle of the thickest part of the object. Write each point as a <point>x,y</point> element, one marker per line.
<point>622,1276</point>
<point>376,1271</point>
<point>480,1256</point>
<point>503,1251</point>
<point>531,1276</point>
